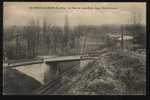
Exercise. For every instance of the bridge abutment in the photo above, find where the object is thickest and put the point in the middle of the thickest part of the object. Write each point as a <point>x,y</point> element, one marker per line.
<point>52,72</point>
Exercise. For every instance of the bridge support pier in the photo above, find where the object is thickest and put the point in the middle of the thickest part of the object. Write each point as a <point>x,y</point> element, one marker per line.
<point>52,72</point>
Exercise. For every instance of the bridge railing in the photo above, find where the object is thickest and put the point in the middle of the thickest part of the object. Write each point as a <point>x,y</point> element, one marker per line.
<point>48,60</point>
<point>27,62</point>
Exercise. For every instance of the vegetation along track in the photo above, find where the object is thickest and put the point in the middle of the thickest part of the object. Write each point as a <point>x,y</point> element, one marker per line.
<point>55,86</point>
<point>66,87</point>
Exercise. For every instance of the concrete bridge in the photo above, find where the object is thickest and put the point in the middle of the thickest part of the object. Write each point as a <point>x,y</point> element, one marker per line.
<point>49,60</point>
<point>45,69</point>
<point>42,70</point>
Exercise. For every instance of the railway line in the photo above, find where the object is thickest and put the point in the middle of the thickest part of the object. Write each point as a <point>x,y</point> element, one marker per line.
<point>71,83</point>
<point>56,83</point>
<point>87,70</point>
<point>54,87</point>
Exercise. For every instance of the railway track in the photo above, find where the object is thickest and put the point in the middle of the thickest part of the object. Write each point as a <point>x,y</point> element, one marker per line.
<point>65,88</point>
<point>51,86</point>
<point>56,87</point>
<point>87,70</point>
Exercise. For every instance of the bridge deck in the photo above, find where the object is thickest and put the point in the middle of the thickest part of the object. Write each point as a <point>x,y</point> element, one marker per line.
<point>63,59</point>
<point>68,58</point>
<point>50,60</point>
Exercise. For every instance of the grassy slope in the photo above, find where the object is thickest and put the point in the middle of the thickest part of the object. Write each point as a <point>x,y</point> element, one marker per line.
<point>119,73</point>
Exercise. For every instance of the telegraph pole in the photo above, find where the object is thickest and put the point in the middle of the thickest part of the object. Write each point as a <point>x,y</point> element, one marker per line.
<point>122,39</point>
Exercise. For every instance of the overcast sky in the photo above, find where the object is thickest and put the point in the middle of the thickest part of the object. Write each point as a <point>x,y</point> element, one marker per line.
<point>108,13</point>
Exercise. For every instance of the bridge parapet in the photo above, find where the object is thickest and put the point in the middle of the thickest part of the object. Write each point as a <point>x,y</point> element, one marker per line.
<point>50,60</point>
<point>10,65</point>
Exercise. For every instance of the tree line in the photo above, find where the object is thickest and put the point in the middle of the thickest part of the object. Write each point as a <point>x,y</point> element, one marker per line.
<point>25,42</point>
<point>31,41</point>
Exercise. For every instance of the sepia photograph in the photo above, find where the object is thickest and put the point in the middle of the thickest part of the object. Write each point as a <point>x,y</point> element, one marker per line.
<point>74,48</point>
